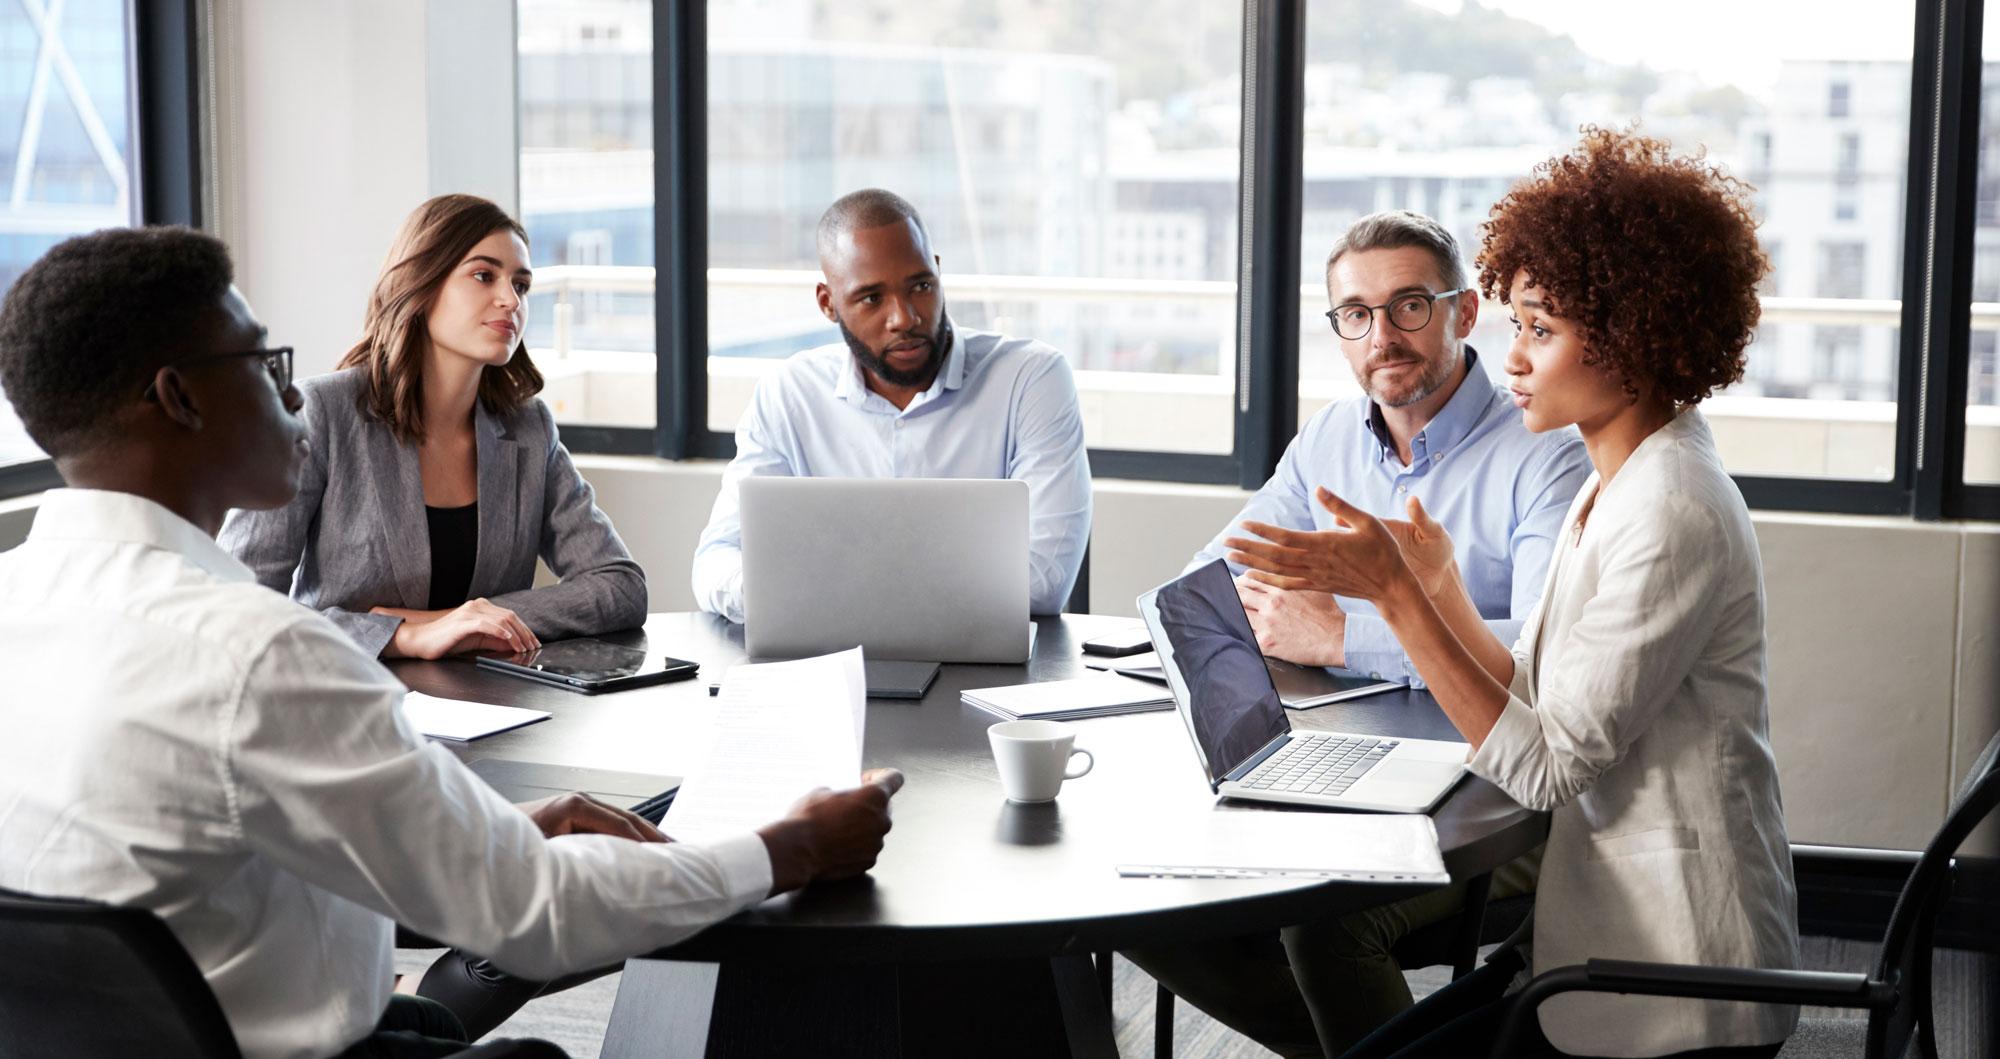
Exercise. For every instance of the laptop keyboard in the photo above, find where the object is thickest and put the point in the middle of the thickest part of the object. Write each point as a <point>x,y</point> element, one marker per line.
<point>1326,765</point>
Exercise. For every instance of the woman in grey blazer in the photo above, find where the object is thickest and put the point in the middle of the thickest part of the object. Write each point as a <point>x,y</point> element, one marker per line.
<point>436,477</point>
<point>1633,707</point>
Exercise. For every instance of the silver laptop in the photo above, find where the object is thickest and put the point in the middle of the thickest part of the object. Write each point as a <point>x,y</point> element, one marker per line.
<point>1244,738</point>
<point>924,569</point>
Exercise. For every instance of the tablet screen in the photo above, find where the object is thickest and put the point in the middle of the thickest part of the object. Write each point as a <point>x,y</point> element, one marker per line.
<point>583,659</point>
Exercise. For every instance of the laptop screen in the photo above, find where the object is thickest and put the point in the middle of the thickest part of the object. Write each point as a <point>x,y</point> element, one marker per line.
<point>1215,668</point>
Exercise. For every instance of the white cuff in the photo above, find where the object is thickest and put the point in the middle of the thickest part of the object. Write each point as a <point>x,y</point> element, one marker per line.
<point>746,867</point>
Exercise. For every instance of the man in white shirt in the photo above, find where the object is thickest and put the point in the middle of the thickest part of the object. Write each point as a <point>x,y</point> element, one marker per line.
<point>907,394</point>
<point>189,742</point>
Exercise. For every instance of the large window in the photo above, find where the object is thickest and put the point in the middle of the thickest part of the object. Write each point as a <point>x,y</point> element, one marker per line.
<point>1082,168</point>
<point>1982,396</point>
<point>1076,165</point>
<point>65,141</point>
<point>1410,106</point>
<point>585,74</point>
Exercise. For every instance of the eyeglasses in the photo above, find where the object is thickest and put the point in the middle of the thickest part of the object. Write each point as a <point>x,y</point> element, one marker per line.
<point>277,361</point>
<point>1406,312</point>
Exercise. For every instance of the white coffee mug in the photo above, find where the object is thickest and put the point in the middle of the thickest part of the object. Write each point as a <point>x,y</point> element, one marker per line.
<point>1034,756</point>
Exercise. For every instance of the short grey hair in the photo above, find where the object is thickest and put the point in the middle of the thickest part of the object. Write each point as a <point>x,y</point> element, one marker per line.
<point>867,208</point>
<point>1400,229</point>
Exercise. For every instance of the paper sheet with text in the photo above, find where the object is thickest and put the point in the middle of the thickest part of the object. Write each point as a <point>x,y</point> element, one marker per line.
<point>782,729</point>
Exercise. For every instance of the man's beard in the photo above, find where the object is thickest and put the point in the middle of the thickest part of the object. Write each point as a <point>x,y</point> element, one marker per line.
<point>1434,377</point>
<point>878,365</point>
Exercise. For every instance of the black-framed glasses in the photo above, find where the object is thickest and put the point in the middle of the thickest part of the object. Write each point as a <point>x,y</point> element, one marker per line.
<point>277,361</point>
<point>1410,311</point>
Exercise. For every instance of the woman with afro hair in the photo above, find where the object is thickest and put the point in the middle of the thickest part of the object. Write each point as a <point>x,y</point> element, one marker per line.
<point>1633,707</point>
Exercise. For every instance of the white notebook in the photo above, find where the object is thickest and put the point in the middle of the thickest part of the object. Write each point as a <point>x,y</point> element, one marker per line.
<point>461,721</point>
<point>1063,700</point>
<point>1263,843</point>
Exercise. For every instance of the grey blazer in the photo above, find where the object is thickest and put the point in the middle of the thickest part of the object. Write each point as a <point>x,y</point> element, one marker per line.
<point>355,537</point>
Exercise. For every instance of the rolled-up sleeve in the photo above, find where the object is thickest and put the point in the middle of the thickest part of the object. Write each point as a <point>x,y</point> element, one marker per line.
<point>318,745</point>
<point>1617,665</point>
<point>1048,453</point>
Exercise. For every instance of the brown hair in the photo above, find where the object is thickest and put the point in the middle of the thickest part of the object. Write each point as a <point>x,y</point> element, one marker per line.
<point>433,240</point>
<point>1652,255</point>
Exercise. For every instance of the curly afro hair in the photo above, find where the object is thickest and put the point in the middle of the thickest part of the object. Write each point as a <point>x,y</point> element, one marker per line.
<point>1654,257</point>
<point>87,325</point>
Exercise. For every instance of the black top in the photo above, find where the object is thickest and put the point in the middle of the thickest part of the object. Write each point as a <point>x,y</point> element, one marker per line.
<point>454,547</point>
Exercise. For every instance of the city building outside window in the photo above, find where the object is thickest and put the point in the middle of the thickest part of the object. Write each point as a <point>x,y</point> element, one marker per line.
<point>65,141</point>
<point>1439,108</point>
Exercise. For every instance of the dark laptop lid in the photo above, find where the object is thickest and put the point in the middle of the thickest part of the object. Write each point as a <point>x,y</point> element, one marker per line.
<point>1212,662</point>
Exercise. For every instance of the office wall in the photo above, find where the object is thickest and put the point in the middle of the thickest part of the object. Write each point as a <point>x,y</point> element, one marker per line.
<point>331,122</point>
<point>1884,675</point>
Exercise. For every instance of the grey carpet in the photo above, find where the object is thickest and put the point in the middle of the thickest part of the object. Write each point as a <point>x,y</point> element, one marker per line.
<point>1967,988</point>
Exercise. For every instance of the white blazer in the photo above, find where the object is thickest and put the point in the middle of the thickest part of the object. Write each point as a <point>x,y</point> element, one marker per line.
<point>1638,714</point>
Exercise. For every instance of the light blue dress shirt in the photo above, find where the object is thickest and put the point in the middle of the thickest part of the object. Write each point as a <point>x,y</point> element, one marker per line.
<point>1500,491</point>
<point>1000,408</point>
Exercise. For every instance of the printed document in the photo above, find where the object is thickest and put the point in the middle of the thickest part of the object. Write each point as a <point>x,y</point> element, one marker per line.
<point>782,729</point>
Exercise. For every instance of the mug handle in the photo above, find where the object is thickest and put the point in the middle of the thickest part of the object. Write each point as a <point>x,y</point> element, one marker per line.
<point>1089,762</point>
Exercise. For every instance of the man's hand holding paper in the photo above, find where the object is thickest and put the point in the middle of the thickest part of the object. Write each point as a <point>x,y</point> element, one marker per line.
<point>786,750</point>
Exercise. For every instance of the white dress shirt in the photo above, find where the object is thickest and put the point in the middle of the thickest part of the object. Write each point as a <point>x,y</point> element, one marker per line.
<point>1638,713</point>
<point>1000,408</point>
<point>182,739</point>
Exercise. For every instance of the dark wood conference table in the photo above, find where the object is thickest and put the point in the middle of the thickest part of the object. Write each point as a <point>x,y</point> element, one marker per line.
<point>974,933</point>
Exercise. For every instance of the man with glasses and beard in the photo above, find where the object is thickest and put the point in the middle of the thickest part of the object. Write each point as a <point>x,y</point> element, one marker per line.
<point>907,394</point>
<point>1431,427</point>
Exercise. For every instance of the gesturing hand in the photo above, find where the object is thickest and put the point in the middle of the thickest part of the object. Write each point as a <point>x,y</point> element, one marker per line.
<point>1361,559</point>
<point>1426,547</point>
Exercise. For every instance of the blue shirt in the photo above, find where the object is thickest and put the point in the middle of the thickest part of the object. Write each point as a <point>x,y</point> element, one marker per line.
<point>999,408</point>
<point>1500,491</point>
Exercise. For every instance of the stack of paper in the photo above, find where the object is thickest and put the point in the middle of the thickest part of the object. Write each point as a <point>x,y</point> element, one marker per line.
<point>784,728</point>
<point>1068,700</point>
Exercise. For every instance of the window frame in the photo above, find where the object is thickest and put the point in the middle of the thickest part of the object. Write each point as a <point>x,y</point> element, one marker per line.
<point>1927,483</point>
<point>164,77</point>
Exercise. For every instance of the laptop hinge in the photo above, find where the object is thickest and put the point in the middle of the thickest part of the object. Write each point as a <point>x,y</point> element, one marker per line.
<point>1250,763</point>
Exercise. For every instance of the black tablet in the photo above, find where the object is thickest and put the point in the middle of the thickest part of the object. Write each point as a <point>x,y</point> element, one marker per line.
<point>591,665</point>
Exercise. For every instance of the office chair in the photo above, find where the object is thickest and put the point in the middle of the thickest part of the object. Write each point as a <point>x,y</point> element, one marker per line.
<point>1897,995</point>
<point>1079,597</point>
<point>83,978</point>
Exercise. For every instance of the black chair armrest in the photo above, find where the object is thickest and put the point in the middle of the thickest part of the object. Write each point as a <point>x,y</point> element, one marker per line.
<point>1749,984</point>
